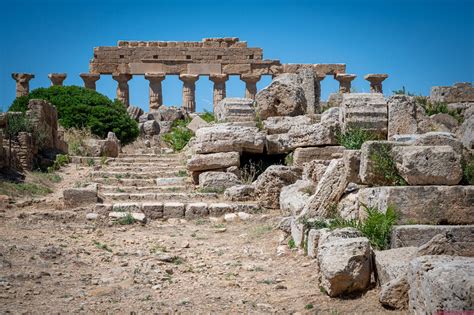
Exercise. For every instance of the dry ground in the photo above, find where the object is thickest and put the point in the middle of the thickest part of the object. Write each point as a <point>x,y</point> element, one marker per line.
<point>53,260</point>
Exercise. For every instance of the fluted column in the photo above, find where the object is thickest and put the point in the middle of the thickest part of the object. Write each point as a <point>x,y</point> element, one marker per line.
<point>123,93</point>
<point>22,83</point>
<point>344,82</point>
<point>89,80</point>
<point>250,84</point>
<point>156,90</point>
<point>57,79</point>
<point>189,91</point>
<point>219,92</point>
<point>376,80</point>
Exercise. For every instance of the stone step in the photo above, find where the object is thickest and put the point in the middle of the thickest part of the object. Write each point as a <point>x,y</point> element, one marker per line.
<point>188,210</point>
<point>137,175</point>
<point>142,189</point>
<point>169,181</point>
<point>148,155</point>
<point>147,159</point>
<point>166,160</point>
<point>147,168</point>
<point>175,163</point>
<point>161,196</point>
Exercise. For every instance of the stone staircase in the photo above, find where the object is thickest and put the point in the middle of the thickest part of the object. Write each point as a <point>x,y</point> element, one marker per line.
<point>158,186</point>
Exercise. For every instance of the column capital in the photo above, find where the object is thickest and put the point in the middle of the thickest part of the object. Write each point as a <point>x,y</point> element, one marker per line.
<point>22,77</point>
<point>344,77</point>
<point>157,77</point>
<point>250,78</point>
<point>90,76</point>
<point>57,78</point>
<point>375,78</point>
<point>319,76</point>
<point>218,77</point>
<point>121,77</point>
<point>189,78</point>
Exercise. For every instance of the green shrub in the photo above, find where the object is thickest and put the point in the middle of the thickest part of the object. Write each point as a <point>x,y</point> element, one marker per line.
<point>289,159</point>
<point>291,243</point>
<point>208,116</point>
<point>126,220</point>
<point>402,91</point>
<point>377,226</point>
<point>16,123</point>
<point>432,108</point>
<point>178,137</point>
<point>354,138</point>
<point>84,108</point>
<point>385,167</point>
<point>59,162</point>
<point>468,172</point>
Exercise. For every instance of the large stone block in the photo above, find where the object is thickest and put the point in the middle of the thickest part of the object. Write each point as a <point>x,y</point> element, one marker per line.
<point>294,197</point>
<point>393,263</point>
<point>369,172</point>
<point>227,138</point>
<point>441,283</point>
<point>283,97</point>
<point>401,115</point>
<point>235,109</point>
<point>304,155</point>
<point>467,133</point>
<point>328,191</point>
<point>428,165</point>
<point>364,111</point>
<point>459,92</point>
<point>269,184</point>
<point>351,160</point>
<point>213,161</point>
<point>422,204</point>
<point>418,235</point>
<point>345,265</point>
<point>76,197</point>
<point>218,180</point>
<point>283,124</point>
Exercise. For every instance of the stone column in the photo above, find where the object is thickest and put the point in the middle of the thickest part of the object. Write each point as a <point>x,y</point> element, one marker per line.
<point>89,80</point>
<point>57,78</point>
<point>22,83</point>
<point>345,80</point>
<point>250,84</point>
<point>189,91</point>
<point>376,80</point>
<point>156,91</point>
<point>123,93</point>
<point>219,92</point>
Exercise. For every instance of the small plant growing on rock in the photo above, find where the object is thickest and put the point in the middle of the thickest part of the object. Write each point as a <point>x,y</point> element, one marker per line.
<point>289,159</point>
<point>60,161</point>
<point>432,108</point>
<point>179,135</point>
<point>126,220</point>
<point>354,138</point>
<point>384,165</point>
<point>291,243</point>
<point>182,173</point>
<point>468,172</point>
<point>207,116</point>
<point>402,91</point>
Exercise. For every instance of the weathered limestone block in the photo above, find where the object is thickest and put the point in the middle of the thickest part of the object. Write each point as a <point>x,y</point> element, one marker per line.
<point>214,161</point>
<point>149,128</point>
<point>444,244</point>
<point>227,138</point>
<point>297,231</point>
<point>394,293</point>
<point>313,241</point>
<point>134,112</point>
<point>459,92</point>
<point>44,119</point>
<point>364,111</point>
<point>392,263</point>
<point>348,206</point>
<point>334,100</point>
<point>328,191</point>
<point>293,197</point>
<point>146,117</point>
<point>461,236</point>
<point>310,81</point>
<point>153,210</point>
<point>76,197</point>
<point>170,113</point>
<point>441,283</point>
<point>467,133</point>
<point>438,138</point>
<point>234,110</point>
<point>240,193</point>
<point>283,124</point>
<point>402,115</point>
<point>422,204</point>
<point>196,210</point>
<point>428,165</point>
<point>109,147</point>
<point>351,160</point>
<point>447,120</point>
<point>315,169</point>
<point>283,97</point>
<point>218,180</point>
<point>197,123</point>
<point>173,210</point>
<point>304,155</point>
<point>345,265</point>
<point>269,184</point>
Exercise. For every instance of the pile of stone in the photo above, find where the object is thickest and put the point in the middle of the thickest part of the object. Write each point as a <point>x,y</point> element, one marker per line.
<point>37,147</point>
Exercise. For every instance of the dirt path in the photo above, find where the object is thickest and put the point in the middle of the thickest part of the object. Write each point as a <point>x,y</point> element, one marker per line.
<point>55,261</point>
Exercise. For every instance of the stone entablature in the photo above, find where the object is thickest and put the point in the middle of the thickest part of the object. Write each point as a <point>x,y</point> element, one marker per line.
<point>210,56</point>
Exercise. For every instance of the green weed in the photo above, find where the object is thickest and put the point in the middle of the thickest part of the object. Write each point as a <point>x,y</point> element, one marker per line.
<point>354,138</point>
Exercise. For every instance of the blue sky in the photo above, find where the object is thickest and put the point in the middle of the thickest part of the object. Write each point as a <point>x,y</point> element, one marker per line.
<point>418,43</point>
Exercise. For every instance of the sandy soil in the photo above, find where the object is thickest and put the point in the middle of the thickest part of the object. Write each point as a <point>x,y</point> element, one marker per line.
<point>53,260</point>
